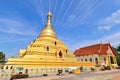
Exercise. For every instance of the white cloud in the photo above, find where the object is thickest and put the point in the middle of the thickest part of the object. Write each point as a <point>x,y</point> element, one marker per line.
<point>9,40</point>
<point>108,27</point>
<point>13,26</point>
<point>114,39</point>
<point>110,22</point>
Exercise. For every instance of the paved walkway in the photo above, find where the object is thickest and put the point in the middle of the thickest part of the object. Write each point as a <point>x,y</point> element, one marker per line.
<point>118,78</point>
<point>53,77</point>
<point>98,75</point>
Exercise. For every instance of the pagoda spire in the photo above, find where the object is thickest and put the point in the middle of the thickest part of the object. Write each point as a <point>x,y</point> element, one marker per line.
<point>48,31</point>
<point>49,16</point>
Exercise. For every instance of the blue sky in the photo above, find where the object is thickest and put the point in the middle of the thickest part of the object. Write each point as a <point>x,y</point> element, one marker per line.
<point>77,23</point>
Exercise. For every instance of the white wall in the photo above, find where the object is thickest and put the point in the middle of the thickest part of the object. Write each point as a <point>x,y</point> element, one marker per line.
<point>92,56</point>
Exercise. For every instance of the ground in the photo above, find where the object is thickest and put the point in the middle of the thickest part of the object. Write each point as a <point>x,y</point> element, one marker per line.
<point>96,75</point>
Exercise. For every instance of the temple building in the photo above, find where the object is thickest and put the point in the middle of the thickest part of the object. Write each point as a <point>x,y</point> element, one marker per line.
<point>100,54</point>
<point>46,53</point>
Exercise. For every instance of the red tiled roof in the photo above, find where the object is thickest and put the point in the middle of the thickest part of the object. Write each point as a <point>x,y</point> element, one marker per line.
<point>100,49</point>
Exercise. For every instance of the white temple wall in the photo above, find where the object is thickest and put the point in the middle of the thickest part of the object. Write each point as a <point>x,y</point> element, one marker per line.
<point>93,57</point>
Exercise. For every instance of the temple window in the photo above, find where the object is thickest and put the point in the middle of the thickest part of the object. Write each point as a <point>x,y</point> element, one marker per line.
<point>55,43</point>
<point>47,48</point>
<point>66,50</point>
<point>86,60</point>
<point>90,59</point>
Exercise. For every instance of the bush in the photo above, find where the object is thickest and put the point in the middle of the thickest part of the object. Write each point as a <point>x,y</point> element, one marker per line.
<point>81,68</point>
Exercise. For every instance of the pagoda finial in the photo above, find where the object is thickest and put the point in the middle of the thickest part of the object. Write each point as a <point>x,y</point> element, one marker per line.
<point>49,16</point>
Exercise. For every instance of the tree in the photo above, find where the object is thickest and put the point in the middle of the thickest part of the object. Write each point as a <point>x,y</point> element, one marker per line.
<point>118,55</point>
<point>115,49</point>
<point>118,48</point>
<point>118,59</point>
<point>2,58</point>
<point>111,59</point>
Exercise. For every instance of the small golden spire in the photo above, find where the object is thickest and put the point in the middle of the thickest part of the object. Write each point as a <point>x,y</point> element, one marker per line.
<point>49,16</point>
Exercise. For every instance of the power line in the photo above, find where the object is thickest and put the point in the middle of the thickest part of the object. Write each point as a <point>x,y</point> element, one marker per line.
<point>76,9</point>
<point>42,13</point>
<point>55,8</point>
<point>87,11</point>
<point>71,20</point>
<point>60,11</point>
<point>66,11</point>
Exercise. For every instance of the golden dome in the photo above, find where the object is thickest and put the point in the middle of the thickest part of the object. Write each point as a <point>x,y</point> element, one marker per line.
<point>48,31</point>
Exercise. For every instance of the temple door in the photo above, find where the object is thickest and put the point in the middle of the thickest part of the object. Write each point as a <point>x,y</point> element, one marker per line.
<point>96,61</point>
<point>60,54</point>
<point>105,60</point>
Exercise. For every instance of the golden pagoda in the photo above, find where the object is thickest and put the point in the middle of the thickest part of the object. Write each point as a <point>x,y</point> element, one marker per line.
<point>46,51</point>
<point>46,46</point>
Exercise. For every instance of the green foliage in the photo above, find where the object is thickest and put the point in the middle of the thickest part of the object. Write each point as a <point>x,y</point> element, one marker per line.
<point>115,49</point>
<point>111,59</point>
<point>118,55</point>
<point>1,53</point>
<point>118,59</point>
<point>2,57</point>
<point>3,62</point>
<point>118,48</point>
